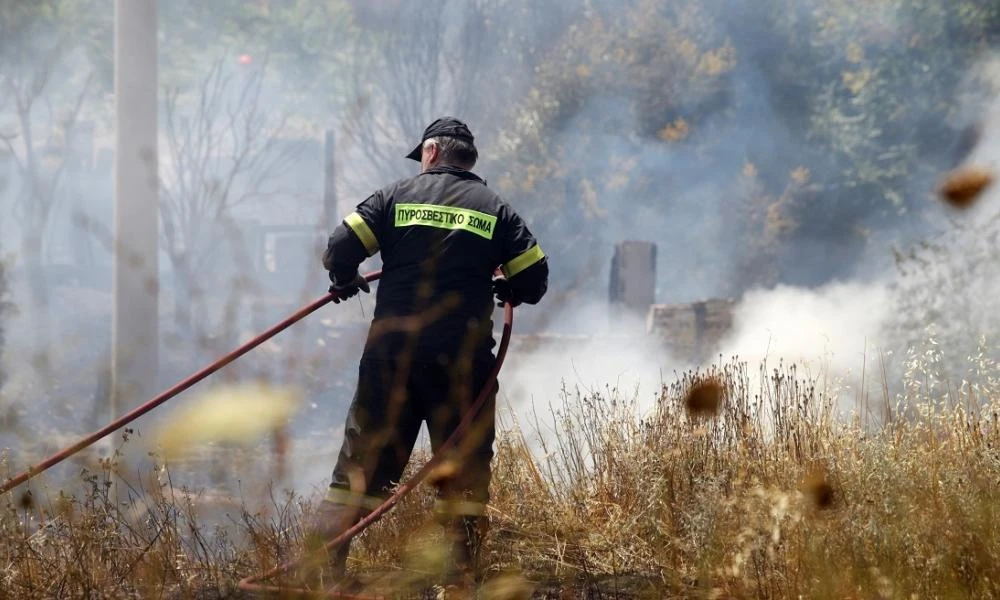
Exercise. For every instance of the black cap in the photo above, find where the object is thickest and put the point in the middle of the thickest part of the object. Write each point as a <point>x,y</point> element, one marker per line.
<point>443,127</point>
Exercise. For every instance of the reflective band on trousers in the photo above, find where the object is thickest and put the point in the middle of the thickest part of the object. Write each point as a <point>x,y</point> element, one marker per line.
<point>363,231</point>
<point>349,498</point>
<point>459,507</point>
<point>446,217</point>
<point>523,261</point>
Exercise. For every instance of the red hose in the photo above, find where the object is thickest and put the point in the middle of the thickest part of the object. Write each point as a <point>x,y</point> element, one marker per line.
<point>252,583</point>
<point>127,418</point>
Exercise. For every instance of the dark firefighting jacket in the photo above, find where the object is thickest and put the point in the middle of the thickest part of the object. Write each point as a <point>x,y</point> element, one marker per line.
<point>442,235</point>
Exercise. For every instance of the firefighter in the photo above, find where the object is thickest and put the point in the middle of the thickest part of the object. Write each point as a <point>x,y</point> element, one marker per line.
<point>442,236</point>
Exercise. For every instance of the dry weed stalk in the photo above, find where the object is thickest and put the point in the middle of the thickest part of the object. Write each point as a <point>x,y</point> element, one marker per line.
<point>620,504</point>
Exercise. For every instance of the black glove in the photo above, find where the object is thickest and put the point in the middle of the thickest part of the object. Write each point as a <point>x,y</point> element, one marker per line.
<point>504,293</point>
<point>349,289</point>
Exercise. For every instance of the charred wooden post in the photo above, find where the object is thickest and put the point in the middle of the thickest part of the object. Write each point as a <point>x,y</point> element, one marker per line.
<point>632,287</point>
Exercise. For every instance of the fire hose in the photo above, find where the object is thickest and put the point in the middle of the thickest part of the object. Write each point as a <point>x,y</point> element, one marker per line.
<point>177,389</point>
<point>253,583</point>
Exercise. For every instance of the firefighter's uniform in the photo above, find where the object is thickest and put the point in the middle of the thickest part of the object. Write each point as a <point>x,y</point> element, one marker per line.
<point>442,235</point>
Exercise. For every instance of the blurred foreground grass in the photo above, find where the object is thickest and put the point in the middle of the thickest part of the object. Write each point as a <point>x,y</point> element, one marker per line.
<point>774,496</point>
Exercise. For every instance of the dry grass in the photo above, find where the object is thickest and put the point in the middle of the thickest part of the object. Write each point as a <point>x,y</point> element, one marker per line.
<point>774,497</point>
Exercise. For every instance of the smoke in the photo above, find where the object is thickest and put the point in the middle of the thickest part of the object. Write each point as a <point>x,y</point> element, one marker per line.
<point>837,176</point>
<point>833,334</point>
<point>594,357</point>
<point>734,158</point>
<point>947,287</point>
<point>860,322</point>
<point>833,324</point>
<point>807,251</point>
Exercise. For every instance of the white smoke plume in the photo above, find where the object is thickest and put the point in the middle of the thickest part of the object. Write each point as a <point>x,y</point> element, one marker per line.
<point>831,333</point>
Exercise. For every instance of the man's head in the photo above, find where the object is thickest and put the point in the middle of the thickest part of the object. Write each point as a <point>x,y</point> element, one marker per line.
<point>446,141</point>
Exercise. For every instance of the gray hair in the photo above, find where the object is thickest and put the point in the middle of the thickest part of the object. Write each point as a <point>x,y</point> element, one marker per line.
<point>456,152</point>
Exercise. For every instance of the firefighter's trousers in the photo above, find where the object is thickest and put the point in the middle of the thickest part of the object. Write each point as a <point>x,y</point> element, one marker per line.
<point>392,400</point>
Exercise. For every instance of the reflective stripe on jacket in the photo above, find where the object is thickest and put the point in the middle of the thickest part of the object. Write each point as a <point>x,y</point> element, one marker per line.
<point>442,235</point>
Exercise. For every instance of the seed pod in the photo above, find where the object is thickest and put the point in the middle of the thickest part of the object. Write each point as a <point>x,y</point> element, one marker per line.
<point>963,186</point>
<point>704,398</point>
<point>819,489</point>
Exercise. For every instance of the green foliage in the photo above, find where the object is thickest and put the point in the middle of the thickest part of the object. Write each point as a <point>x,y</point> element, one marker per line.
<point>584,103</point>
<point>863,97</point>
<point>882,80</point>
<point>618,106</point>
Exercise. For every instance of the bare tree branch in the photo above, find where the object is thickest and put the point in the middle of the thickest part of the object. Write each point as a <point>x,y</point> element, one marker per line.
<point>221,152</point>
<point>431,61</point>
<point>8,141</point>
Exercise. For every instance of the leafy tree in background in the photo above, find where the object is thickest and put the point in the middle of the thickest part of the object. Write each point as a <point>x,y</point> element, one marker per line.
<point>877,83</point>
<point>592,147</point>
<point>843,112</point>
<point>791,132</point>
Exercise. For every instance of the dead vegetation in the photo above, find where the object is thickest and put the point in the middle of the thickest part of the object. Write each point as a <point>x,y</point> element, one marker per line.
<point>774,497</point>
